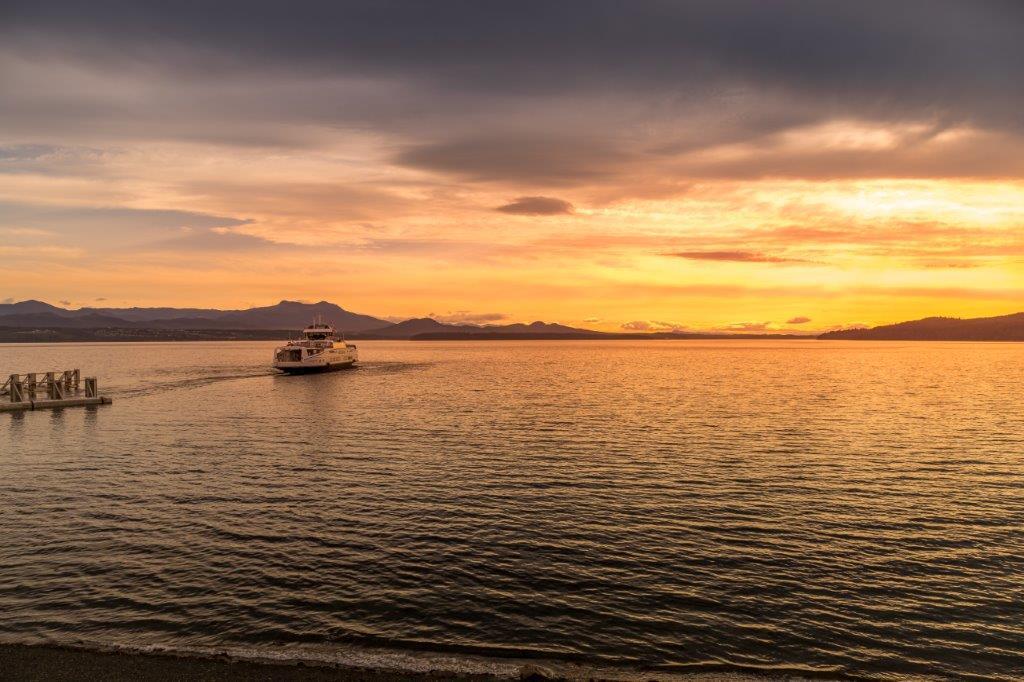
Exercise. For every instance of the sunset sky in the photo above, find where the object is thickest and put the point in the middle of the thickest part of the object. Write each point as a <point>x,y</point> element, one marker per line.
<point>615,165</point>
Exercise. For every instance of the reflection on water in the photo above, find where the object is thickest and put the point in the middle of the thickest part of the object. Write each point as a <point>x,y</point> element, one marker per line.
<point>804,506</point>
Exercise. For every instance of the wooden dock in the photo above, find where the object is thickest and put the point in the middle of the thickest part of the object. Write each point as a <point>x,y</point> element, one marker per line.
<point>49,390</point>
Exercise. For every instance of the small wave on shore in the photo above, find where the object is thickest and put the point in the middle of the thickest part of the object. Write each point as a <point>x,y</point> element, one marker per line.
<point>377,662</point>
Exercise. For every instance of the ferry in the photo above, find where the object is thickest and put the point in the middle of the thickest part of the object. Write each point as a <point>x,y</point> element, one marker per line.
<point>316,351</point>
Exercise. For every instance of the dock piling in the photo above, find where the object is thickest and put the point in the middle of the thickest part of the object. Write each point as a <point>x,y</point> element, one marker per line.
<point>15,389</point>
<point>54,388</point>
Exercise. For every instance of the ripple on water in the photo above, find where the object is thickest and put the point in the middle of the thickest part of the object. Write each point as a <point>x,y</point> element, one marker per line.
<point>822,509</point>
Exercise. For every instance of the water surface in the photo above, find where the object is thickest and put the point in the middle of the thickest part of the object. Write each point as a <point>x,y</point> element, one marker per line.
<point>820,507</point>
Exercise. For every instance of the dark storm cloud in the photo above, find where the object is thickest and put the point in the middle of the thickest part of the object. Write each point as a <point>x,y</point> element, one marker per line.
<point>530,92</point>
<point>914,53</point>
<point>549,159</point>
<point>537,206</point>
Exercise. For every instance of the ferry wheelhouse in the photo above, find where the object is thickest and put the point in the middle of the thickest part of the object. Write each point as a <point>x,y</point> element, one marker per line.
<point>316,351</point>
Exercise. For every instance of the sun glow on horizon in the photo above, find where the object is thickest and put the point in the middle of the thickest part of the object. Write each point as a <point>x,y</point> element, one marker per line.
<point>719,254</point>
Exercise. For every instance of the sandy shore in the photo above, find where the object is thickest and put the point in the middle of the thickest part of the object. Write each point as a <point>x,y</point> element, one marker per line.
<point>32,663</point>
<point>51,663</point>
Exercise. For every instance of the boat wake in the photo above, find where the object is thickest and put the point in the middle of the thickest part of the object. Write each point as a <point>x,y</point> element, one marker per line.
<point>194,377</point>
<point>390,367</point>
<point>188,382</point>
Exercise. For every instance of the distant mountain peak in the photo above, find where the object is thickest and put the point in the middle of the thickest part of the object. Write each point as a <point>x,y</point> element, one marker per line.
<point>31,306</point>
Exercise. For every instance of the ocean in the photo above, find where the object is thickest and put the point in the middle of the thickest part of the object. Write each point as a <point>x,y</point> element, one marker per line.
<point>833,509</point>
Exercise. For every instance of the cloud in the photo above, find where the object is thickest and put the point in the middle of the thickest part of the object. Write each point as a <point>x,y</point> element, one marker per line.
<point>42,252</point>
<point>654,326</point>
<point>64,302</point>
<point>113,227</point>
<point>7,301</point>
<point>467,317</point>
<point>798,320</point>
<point>100,299</point>
<point>526,158</point>
<point>737,328</point>
<point>743,327</point>
<point>537,206</point>
<point>216,240</point>
<point>25,232</point>
<point>115,216</point>
<point>669,92</point>
<point>48,159</point>
<point>919,243</point>
<point>923,149</point>
<point>310,202</point>
<point>670,327</point>
<point>734,257</point>
<point>923,54</point>
<point>952,264</point>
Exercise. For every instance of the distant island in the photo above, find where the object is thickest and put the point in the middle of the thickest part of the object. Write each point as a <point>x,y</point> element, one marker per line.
<point>1001,328</point>
<point>36,321</point>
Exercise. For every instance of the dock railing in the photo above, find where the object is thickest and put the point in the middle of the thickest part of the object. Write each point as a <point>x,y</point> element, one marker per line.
<point>49,389</point>
<point>55,385</point>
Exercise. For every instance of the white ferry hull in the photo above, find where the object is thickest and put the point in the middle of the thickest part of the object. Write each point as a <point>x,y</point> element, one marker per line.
<point>310,368</point>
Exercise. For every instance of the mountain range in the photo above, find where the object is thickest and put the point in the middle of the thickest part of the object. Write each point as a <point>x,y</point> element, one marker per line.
<point>284,316</point>
<point>28,320</point>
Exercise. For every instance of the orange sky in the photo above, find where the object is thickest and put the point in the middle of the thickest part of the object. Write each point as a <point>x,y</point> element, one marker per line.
<point>182,173</point>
